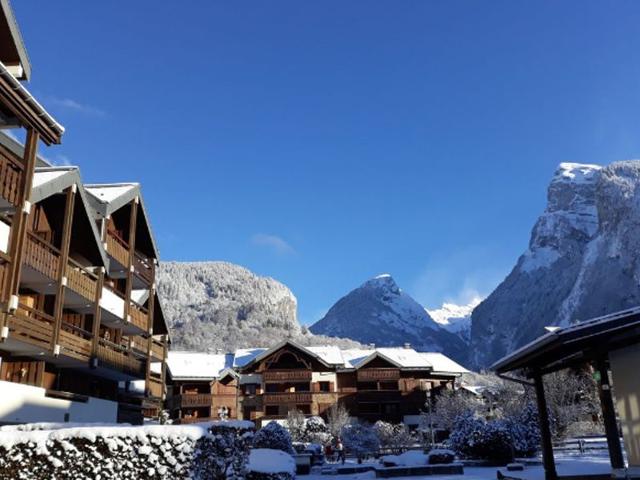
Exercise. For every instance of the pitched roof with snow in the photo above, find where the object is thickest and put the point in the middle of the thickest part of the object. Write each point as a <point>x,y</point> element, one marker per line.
<point>194,365</point>
<point>442,363</point>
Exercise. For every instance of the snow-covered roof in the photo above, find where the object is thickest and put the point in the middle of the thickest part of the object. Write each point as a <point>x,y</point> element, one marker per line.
<point>245,355</point>
<point>442,363</point>
<point>194,365</point>
<point>329,353</point>
<point>108,193</point>
<point>354,356</point>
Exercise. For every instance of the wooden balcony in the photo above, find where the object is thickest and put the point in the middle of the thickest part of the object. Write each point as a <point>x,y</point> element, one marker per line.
<point>139,316</point>
<point>280,398</point>
<point>287,376</point>
<point>11,171</point>
<point>117,248</point>
<point>143,267</point>
<point>81,280</point>
<point>75,342</point>
<point>41,256</point>
<point>379,396</point>
<point>156,387</point>
<point>375,374</point>
<point>185,420</point>
<point>120,358</point>
<point>192,400</point>
<point>31,326</point>
<point>157,349</point>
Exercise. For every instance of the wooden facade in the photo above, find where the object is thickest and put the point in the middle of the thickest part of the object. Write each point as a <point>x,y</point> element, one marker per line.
<point>61,326</point>
<point>289,377</point>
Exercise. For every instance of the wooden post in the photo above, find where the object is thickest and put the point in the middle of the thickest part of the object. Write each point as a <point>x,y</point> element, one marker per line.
<point>609,416</point>
<point>548,461</point>
<point>62,265</point>
<point>132,252</point>
<point>150,302</point>
<point>19,224</point>
<point>97,315</point>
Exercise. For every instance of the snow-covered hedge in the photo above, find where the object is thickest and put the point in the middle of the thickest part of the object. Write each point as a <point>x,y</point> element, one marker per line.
<point>270,464</point>
<point>475,438</point>
<point>208,451</point>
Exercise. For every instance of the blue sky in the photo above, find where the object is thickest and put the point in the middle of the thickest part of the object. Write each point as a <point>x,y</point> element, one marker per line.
<point>323,143</point>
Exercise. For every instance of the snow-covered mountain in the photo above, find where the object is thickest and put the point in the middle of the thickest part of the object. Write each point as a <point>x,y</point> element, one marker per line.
<point>380,312</point>
<point>455,318</point>
<point>583,260</point>
<point>221,306</point>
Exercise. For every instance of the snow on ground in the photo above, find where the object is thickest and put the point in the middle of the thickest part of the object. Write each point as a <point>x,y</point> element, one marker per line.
<point>565,463</point>
<point>267,460</point>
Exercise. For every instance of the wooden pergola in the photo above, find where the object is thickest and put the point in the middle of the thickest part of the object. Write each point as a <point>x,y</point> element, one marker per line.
<point>587,342</point>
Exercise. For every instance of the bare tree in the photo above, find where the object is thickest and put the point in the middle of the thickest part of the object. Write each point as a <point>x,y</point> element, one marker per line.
<point>449,405</point>
<point>296,424</point>
<point>337,418</point>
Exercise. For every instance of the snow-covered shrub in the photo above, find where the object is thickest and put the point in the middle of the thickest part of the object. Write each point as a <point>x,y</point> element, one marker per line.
<point>269,464</point>
<point>440,456</point>
<point>393,436</point>
<point>525,431</point>
<point>316,431</point>
<point>359,439</point>
<point>296,424</point>
<point>215,451</point>
<point>407,459</point>
<point>475,438</point>
<point>274,436</point>
<point>337,418</point>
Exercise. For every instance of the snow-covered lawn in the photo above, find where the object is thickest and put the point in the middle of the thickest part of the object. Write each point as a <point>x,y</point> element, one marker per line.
<point>566,464</point>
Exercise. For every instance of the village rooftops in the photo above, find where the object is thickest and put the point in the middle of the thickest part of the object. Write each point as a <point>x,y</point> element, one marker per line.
<point>192,365</point>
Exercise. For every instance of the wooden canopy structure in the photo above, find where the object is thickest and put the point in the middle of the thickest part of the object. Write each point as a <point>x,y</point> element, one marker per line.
<point>595,341</point>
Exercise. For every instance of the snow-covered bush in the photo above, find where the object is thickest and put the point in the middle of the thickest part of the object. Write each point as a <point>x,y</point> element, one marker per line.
<point>274,436</point>
<point>393,436</point>
<point>525,431</point>
<point>359,439</point>
<point>316,431</point>
<point>411,458</point>
<point>296,424</point>
<point>337,419</point>
<point>475,438</point>
<point>214,451</point>
<point>269,464</point>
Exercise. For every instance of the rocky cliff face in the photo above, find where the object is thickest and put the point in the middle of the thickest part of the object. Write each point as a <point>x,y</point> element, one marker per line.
<point>379,312</point>
<point>582,261</point>
<point>221,306</point>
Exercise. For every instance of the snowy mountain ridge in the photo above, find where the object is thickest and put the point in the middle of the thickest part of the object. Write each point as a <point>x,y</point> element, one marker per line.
<point>379,312</point>
<point>582,260</point>
<point>455,318</point>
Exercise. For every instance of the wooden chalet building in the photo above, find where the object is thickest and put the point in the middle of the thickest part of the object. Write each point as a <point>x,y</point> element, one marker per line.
<point>265,384</point>
<point>82,335</point>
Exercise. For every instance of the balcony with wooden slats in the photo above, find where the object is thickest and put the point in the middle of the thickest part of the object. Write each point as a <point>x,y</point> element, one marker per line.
<point>75,342</point>
<point>41,256</point>
<point>117,248</point>
<point>280,398</point>
<point>82,281</point>
<point>287,376</point>
<point>120,358</point>
<point>156,387</point>
<point>139,316</point>
<point>192,400</point>
<point>11,172</point>
<point>31,326</point>
<point>157,350</point>
<point>376,374</point>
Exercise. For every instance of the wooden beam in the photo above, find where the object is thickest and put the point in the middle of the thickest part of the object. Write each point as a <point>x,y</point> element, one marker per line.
<point>548,461</point>
<point>62,265</point>
<point>132,251</point>
<point>97,316</point>
<point>150,330</point>
<point>18,231</point>
<point>609,415</point>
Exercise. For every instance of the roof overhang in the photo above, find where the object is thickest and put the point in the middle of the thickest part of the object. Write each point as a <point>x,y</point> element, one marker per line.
<point>19,107</point>
<point>378,354</point>
<point>12,50</point>
<point>573,345</point>
<point>282,344</point>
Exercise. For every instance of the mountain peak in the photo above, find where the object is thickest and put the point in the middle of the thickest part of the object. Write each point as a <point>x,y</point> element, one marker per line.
<point>384,281</point>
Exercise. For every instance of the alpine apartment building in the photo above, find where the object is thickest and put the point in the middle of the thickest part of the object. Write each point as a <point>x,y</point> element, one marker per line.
<point>258,384</point>
<point>82,334</point>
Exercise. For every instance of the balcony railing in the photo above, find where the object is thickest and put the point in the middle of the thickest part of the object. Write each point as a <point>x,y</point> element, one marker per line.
<point>279,398</point>
<point>32,326</point>
<point>120,358</point>
<point>192,400</point>
<point>143,268</point>
<point>139,316</point>
<point>156,387</point>
<point>157,349</point>
<point>118,248</point>
<point>373,374</point>
<point>287,376</point>
<point>41,256</point>
<point>81,280</point>
<point>196,419</point>
<point>11,171</point>
<point>75,342</point>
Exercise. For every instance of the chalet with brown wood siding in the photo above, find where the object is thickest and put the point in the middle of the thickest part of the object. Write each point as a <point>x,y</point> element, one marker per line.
<point>265,384</point>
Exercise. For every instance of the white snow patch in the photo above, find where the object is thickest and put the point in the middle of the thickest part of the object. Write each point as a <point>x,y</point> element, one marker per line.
<point>267,460</point>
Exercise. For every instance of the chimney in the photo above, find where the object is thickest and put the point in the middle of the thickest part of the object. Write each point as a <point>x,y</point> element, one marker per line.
<point>407,346</point>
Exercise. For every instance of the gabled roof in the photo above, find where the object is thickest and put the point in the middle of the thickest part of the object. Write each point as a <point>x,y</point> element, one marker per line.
<point>110,197</point>
<point>442,364</point>
<point>290,343</point>
<point>12,49</point>
<point>403,358</point>
<point>48,181</point>
<point>196,366</point>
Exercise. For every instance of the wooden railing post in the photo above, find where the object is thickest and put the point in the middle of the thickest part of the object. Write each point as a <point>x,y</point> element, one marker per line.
<point>132,249</point>
<point>19,228</point>
<point>150,302</point>
<point>62,266</point>
<point>97,316</point>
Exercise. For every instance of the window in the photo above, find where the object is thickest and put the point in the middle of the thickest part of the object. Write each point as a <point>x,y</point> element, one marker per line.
<point>271,388</point>
<point>325,386</point>
<point>250,389</point>
<point>271,410</point>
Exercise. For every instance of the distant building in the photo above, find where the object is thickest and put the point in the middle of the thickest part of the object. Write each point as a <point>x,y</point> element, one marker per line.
<point>265,384</point>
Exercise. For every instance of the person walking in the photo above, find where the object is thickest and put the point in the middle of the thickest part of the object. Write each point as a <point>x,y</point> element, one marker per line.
<point>340,451</point>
